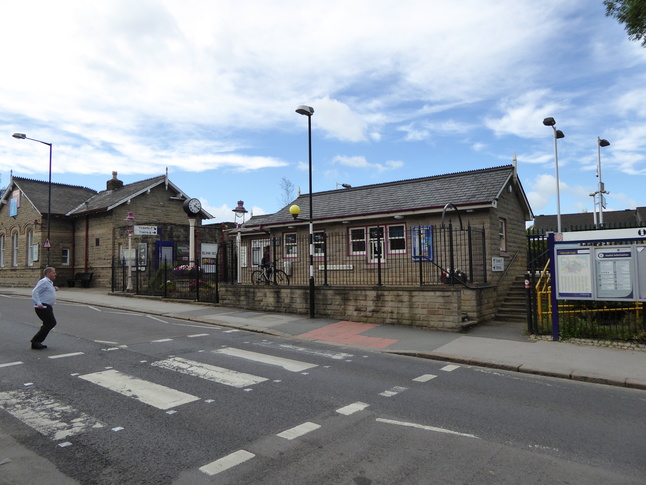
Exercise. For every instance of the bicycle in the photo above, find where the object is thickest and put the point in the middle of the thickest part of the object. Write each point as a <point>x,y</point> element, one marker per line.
<point>269,275</point>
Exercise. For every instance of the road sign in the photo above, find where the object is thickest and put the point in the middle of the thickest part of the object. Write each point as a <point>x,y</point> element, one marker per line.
<point>47,244</point>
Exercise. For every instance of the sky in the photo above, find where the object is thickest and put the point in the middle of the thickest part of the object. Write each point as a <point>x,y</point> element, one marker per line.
<point>208,90</point>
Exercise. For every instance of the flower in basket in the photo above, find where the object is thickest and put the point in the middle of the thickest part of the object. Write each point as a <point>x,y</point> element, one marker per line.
<point>186,271</point>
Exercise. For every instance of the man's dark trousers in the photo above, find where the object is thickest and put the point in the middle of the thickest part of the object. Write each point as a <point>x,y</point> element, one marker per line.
<point>47,316</point>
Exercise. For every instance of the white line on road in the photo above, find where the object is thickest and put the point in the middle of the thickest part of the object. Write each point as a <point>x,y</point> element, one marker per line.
<point>210,372</point>
<point>162,340</point>
<point>106,342</point>
<point>322,353</point>
<point>449,368</point>
<point>287,364</point>
<point>198,335</point>
<point>393,391</point>
<point>298,431</point>
<point>9,364</point>
<point>352,408</point>
<point>62,356</point>
<point>156,395</point>
<point>427,428</point>
<point>157,318</point>
<point>46,415</point>
<point>424,378</point>
<point>229,461</point>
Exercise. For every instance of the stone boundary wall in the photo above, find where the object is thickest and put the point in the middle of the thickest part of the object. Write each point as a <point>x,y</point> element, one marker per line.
<point>443,308</point>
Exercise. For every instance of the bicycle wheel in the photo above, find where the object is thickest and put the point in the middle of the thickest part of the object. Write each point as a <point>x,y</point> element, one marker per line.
<point>257,278</point>
<point>281,277</point>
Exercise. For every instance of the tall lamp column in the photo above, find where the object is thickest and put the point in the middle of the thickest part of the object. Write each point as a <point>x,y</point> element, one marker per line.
<point>22,136</point>
<point>600,143</point>
<point>309,111</point>
<point>557,134</point>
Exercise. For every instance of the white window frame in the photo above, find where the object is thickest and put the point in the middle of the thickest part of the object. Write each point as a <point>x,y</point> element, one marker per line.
<point>502,233</point>
<point>319,245</point>
<point>351,242</point>
<point>30,249</point>
<point>375,247</point>
<point>257,247</point>
<point>65,257</point>
<point>2,240</point>
<point>397,238</point>
<point>290,245</point>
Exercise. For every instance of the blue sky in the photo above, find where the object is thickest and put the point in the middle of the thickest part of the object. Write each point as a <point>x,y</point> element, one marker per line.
<point>406,89</point>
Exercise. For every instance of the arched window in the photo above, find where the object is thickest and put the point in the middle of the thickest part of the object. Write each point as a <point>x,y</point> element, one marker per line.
<point>1,250</point>
<point>30,248</point>
<point>14,249</point>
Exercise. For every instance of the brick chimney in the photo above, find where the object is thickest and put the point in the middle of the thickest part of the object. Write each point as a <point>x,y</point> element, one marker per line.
<point>114,183</point>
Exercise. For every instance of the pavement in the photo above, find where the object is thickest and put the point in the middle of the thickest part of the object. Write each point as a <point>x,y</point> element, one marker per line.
<point>502,346</point>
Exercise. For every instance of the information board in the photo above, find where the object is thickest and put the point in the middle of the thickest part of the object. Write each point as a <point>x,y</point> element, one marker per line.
<point>574,273</point>
<point>614,273</point>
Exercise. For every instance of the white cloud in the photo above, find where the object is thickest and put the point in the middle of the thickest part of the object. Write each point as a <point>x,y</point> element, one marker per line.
<point>361,162</point>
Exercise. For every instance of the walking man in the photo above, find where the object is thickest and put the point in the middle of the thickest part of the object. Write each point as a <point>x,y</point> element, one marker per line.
<point>44,297</point>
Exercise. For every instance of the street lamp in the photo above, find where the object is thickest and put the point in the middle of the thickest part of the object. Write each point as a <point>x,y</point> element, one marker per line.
<point>239,211</point>
<point>48,242</point>
<point>130,218</point>
<point>309,111</point>
<point>600,143</point>
<point>557,134</point>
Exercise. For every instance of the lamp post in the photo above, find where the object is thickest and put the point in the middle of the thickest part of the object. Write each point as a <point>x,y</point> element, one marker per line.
<point>600,143</point>
<point>131,220</point>
<point>309,111</point>
<point>48,243</point>
<point>557,134</point>
<point>239,211</point>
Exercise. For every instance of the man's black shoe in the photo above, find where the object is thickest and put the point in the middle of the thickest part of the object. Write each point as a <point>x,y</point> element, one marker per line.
<point>38,346</point>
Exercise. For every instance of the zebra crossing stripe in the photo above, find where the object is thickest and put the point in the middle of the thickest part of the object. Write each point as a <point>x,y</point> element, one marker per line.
<point>210,372</point>
<point>229,461</point>
<point>287,364</point>
<point>46,415</point>
<point>155,395</point>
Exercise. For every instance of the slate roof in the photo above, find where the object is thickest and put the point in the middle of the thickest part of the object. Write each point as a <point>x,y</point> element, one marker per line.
<point>109,199</point>
<point>64,197</point>
<point>585,220</point>
<point>463,189</point>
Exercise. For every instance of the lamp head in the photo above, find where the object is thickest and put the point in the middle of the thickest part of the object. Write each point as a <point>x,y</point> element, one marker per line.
<point>239,210</point>
<point>558,134</point>
<point>20,136</point>
<point>295,211</point>
<point>603,143</point>
<point>305,110</point>
<point>549,121</point>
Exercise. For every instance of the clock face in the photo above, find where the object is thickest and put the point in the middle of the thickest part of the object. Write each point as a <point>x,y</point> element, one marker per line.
<point>192,206</point>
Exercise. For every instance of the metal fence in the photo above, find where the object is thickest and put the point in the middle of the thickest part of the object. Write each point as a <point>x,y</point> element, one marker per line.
<point>426,255</point>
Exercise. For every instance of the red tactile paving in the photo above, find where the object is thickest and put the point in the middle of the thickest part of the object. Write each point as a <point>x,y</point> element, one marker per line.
<point>348,333</point>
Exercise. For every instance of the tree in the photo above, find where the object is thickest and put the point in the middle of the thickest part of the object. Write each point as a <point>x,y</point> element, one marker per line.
<point>286,191</point>
<point>631,13</point>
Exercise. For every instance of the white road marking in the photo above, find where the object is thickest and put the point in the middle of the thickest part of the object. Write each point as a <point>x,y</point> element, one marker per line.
<point>352,408</point>
<point>321,353</point>
<point>94,308</point>
<point>9,364</point>
<point>424,378</point>
<point>46,415</point>
<point>449,368</point>
<point>161,397</point>
<point>393,391</point>
<point>106,342</point>
<point>287,364</point>
<point>427,428</point>
<point>229,461</point>
<point>162,340</point>
<point>210,372</point>
<point>198,335</point>
<point>62,356</point>
<point>298,431</point>
<point>156,318</point>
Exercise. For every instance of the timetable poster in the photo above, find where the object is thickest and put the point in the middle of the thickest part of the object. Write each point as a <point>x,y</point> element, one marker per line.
<point>614,273</point>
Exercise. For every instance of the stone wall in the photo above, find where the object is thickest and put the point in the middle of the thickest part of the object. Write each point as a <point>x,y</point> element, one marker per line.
<point>441,308</point>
